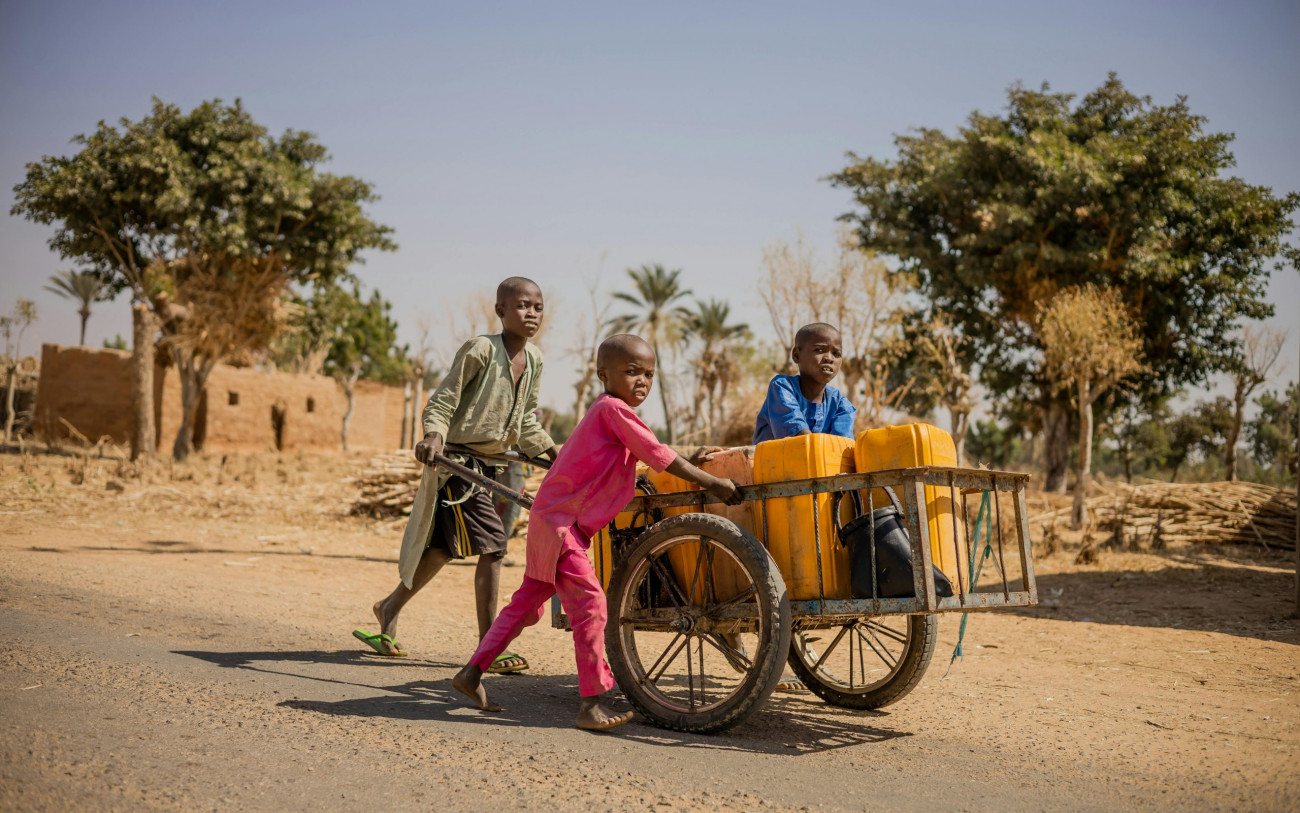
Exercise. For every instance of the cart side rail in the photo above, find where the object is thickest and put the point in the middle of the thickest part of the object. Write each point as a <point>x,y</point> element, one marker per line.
<point>974,545</point>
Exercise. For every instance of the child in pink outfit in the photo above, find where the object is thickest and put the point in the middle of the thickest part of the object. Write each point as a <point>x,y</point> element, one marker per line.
<point>592,479</point>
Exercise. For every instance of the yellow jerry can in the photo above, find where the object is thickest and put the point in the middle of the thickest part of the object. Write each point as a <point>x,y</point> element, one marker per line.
<point>791,538</point>
<point>907,446</point>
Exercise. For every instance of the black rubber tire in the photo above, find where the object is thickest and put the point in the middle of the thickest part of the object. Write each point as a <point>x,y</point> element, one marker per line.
<point>922,632</point>
<point>773,638</point>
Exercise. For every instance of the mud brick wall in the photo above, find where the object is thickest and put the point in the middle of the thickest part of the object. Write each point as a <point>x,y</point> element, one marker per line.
<point>90,389</point>
<point>243,409</point>
<point>377,423</point>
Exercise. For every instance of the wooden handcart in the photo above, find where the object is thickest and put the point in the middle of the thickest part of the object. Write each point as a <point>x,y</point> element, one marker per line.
<point>701,623</point>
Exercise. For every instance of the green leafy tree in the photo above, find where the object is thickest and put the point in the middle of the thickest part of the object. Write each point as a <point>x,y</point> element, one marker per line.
<point>992,444</point>
<point>363,344</point>
<point>660,322</point>
<point>1202,430</point>
<point>12,328</point>
<point>1272,432</point>
<point>176,203</point>
<point>313,321</point>
<point>1141,437</point>
<point>83,287</point>
<point>1113,190</point>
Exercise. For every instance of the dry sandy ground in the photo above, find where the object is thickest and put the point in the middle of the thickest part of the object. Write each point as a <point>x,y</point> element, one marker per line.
<point>182,640</point>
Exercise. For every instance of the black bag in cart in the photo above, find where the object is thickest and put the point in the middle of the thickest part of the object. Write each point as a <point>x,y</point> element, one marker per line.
<point>893,553</point>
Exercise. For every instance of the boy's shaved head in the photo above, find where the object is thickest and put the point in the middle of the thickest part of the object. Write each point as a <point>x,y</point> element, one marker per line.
<point>621,346</point>
<point>515,285</point>
<point>625,365</point>
<point>815,331</point>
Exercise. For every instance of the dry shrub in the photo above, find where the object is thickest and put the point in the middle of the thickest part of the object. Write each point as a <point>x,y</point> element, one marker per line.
<point>1088,552</point>
<point>128,470</point>
<point>1050,539</point>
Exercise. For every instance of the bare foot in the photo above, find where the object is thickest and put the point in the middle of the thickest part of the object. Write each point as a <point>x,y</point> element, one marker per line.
<point>468,681</point>
<point>595,716</point>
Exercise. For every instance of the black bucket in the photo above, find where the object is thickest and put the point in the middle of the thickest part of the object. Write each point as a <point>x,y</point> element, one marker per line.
<point>893,555</point>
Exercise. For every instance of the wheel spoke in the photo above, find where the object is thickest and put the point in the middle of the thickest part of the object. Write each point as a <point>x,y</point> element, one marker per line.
<point>862,663</point>
<point>695,574</point>
<point>690,675</point>
<point>711,595</point>
<point>703,700</point>
<point>882,652</point>
<point>747,594</point>
<point>674,592</point>
<point>733,656</point>
<point>851,659</point>
<point>831,648</point>
<point>886,631</point>
<point>650,673</point>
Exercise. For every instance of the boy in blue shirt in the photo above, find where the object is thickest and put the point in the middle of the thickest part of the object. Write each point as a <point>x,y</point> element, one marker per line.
<point>806,404</point>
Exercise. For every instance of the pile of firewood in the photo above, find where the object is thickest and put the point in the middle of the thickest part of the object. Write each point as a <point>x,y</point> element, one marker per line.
<point>387,486</point>
<point>1159,514</point>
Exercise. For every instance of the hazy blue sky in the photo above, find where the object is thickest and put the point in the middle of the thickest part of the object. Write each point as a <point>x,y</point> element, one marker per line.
<point>537,138</point>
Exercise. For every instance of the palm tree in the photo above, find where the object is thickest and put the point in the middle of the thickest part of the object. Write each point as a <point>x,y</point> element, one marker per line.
<point>714,370</point>
<point>658,320</point>
<point>84,287</point>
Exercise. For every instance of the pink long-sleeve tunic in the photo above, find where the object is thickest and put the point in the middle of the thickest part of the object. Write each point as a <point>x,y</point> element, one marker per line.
<point>592,479</point>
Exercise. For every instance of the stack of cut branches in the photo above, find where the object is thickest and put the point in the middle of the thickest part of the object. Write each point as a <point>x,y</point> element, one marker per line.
<point>1159,514</point>
<point>387,485</point>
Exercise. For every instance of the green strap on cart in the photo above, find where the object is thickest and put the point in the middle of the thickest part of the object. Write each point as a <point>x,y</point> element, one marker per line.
<point>984,532</point>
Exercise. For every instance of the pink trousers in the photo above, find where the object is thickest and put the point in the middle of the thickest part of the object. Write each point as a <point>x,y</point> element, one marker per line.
<point>583,601</point>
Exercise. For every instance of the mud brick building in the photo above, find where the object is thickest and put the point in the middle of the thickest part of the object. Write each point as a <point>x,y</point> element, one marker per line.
<point>243,410</point>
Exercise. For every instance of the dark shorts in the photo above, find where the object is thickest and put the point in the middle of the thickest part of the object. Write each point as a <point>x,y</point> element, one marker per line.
<point>467,525</point>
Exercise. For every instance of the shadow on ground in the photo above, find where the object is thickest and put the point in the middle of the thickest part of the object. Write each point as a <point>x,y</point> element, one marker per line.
<point>1242,592</point>
<point>791,726</point>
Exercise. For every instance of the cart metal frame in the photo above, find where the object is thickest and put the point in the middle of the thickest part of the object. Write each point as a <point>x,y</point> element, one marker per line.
<point>909,484</point>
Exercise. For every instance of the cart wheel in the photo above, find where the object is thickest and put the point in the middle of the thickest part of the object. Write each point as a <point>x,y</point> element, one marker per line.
<point>867,663</point>
<point>699,624</point>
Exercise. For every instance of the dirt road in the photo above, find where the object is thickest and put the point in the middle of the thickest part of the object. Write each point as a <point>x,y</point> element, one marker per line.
<point>182,641</point>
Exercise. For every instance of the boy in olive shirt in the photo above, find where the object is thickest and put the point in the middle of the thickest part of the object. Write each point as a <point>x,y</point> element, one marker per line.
<point>486,403</point>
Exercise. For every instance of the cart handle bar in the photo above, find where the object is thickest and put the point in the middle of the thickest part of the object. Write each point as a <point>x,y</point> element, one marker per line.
<point>469,474</point>
<point>499,457</point>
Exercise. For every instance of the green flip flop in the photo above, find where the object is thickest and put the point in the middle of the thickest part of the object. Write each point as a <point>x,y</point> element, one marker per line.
<point>507,663</point>
<point>381,643</point>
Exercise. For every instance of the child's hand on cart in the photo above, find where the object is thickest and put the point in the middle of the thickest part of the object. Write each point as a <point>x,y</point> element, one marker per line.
<point>703,455</point>
<point>721,488</point>
<point>725,490</point>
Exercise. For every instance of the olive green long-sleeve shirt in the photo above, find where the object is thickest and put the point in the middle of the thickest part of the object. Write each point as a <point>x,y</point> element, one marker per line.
<point>477,405</point>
